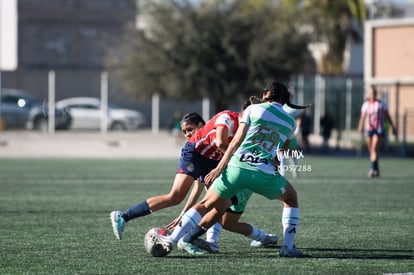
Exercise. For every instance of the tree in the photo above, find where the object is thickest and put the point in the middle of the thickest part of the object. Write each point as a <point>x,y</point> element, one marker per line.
<point>224,50</point>
<point>333,23</point>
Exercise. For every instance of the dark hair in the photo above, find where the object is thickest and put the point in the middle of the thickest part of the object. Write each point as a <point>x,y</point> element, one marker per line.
<point>252,100</point>
<point>193,118</point>
<point>280,93</point>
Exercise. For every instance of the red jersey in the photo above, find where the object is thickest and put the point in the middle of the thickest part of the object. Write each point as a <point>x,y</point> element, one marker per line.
<point>205,137</point>
<point>375,111</point>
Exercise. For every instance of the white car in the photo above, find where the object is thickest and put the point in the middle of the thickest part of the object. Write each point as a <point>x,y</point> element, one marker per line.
<point>86,114</point>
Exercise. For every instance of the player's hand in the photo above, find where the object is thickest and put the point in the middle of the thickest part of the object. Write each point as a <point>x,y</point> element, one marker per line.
<point>174,223</point>
<point>210,177</point>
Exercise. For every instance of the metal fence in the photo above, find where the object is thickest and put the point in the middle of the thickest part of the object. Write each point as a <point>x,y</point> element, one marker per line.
<point>341,96</point>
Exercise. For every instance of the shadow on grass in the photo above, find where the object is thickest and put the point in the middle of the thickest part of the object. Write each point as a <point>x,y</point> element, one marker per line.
<point>373,254</point>
<point>330,253</point>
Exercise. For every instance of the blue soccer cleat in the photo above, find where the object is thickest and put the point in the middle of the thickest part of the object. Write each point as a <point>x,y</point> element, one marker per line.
<point>118,224</point>
<point>210,247</point>
<point>189,248</point>
<point>290,253</point>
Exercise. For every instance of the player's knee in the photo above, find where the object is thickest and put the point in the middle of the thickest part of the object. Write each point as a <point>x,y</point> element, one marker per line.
<point>174,199</point>
<point>290,198</point>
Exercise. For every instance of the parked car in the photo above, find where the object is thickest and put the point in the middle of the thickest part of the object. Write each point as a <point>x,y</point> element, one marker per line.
<point>15,107</point>
<point>20,109</point>
<point>39,118</point>
<point>86,114</point>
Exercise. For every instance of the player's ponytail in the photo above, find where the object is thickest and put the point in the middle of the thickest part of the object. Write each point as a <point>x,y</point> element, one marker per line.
<point>252,100</point>
<point>279,93</point>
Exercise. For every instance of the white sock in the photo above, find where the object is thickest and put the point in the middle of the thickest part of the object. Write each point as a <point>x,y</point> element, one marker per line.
<point>282,165</point>
<point>290,220</point>
<point>213,233</point>
<point>188,221</point>
<point>257,234</point>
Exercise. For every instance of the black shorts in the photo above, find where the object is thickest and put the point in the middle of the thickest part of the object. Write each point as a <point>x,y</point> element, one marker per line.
<point>193,164</point>
<point>375,132</point>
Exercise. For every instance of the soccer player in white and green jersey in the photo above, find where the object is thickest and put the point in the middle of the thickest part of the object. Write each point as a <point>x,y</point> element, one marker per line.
<point>249,163</point>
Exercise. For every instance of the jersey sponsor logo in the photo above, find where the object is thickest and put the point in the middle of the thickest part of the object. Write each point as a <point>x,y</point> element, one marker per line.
<point>253,158</point>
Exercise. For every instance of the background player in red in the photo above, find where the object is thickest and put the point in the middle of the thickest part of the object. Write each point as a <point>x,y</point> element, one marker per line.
<point>374,113</point>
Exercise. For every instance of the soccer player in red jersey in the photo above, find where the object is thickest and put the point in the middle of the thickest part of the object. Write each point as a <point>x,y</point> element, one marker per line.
<point>374,113</point>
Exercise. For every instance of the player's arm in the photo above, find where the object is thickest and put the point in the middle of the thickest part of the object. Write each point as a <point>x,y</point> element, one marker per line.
<point>222,135</point>
<point>234,144</point>
<point>298,124</point>
<point>361,121</point>
<point>194,195</point>
<point>192,199</point>
<point>388,117</point>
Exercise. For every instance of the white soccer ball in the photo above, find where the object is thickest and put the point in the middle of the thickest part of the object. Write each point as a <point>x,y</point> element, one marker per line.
<point>151,243</point>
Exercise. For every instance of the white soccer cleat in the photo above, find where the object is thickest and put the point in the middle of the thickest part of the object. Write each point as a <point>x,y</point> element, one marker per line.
<point>269,241</point>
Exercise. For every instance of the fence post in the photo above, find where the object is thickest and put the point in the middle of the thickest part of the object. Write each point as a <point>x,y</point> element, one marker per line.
<point>397,108</point>
<point>348,111</point>
<point>319,102</point>
<point>404,135</point>
<point>104,102</point>
<point>300,97</point>
<point>206,108</point>
<point>155,114</point>
<point>51,102</point>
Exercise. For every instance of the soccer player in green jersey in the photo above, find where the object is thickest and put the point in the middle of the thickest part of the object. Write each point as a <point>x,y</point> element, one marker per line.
<point>249,163</point>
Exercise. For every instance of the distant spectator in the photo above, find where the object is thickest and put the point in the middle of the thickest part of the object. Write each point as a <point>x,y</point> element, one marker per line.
<point>327,124</point>
<point>174,126</point>
<point>305,126</point>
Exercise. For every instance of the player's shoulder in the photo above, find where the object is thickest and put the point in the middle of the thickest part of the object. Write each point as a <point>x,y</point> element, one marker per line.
<point>365,103</point>
<point>226,117</point>
<point>227,114</point>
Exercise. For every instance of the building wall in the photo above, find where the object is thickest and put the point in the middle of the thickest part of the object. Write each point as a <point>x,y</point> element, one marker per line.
<point>70,37</point>
<point>389,55</point>
<point>70,34</point>
<point>393,52</point>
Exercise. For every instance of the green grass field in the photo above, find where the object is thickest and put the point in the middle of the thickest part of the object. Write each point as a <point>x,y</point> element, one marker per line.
<point>55,220</point>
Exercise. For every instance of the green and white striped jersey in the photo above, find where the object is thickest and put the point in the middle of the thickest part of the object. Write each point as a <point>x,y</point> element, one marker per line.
<point>269,128</point>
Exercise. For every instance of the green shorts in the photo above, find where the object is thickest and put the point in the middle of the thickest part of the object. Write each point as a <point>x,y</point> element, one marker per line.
<point>235,179</point>
<point>242,198</point>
